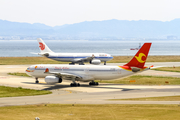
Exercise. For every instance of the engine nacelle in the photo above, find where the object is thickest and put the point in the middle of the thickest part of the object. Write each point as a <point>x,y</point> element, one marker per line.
<point>95,62</point>
<point>52,79</point>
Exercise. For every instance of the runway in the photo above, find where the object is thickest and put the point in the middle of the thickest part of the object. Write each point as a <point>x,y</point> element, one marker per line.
<point>85,94</point>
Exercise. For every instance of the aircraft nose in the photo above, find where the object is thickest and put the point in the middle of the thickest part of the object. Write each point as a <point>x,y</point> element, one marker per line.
<point>110,56</point>
<point>28,71</point>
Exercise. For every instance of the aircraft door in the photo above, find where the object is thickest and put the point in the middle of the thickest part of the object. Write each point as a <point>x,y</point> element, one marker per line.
<point>118,71</point>
<point>86,70</point>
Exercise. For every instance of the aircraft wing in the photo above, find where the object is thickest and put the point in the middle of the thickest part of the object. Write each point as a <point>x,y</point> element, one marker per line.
<point>42,54</point>
<point>155,67</point>
<point>64,75</point>
<point>87,59</point>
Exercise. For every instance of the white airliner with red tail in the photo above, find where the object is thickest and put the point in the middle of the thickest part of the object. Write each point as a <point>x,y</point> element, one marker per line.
<point>92,58</point>
<point>56,73</point>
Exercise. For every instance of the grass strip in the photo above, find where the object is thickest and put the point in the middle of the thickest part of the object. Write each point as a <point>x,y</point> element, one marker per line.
<point>170,69</point>
<point>44,60</point>
<point>164,98</point>
<point>90,112</point>
<point>145,80</point>
<point>19,74</point>
<point>27,60</point>
<point>14,92</point>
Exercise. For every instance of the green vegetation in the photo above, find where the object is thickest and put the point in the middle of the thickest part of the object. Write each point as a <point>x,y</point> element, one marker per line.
<point>124,59</point>
<point>19,74</point>
<point>14,92</point>
<point>90,112</point>
<point>145,80</point>
<point>166,98</point>
<point>170,69</point>
<point>27,60</point>
<point>44,60</point>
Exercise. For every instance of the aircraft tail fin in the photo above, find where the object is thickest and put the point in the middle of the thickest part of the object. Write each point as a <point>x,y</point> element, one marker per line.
<point>140,58</point>
<point>43,47</point>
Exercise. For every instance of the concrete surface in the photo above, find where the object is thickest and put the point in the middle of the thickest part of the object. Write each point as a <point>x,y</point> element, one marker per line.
<point>85,94</point>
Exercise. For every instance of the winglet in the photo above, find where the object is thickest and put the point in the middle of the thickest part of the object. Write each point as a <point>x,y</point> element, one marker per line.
<point>140,58</point>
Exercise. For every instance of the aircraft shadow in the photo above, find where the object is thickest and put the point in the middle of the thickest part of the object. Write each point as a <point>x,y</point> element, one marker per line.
<point>88,86</point>
<point>100,86</point>
<point>34,83</point>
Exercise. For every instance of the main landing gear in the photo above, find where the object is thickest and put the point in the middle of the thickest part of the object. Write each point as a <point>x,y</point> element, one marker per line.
<point>104,62</point>
<point>37,81</point>
<point>74,84</point>
<point>71,63</point>
<point>81,63</point>
<point>93,83</point>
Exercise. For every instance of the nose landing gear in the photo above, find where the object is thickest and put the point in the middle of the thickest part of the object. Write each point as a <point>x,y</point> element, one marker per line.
<point>37,81</point>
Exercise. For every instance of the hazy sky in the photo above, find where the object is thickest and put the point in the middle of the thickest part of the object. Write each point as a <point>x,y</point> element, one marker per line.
<point>60,12</point>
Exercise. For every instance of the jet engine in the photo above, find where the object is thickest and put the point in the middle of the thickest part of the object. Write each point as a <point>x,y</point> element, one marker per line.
<point>52,79</point>
<point>95,61</point>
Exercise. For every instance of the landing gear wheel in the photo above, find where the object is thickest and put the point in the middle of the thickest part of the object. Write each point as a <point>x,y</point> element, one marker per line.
<point>93,83</point>
<point>37,81</point>
<point>105,63</point>
<point>74,84</point>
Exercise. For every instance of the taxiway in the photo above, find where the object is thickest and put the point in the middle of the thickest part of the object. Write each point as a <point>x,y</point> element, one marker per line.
<point>85,94</point>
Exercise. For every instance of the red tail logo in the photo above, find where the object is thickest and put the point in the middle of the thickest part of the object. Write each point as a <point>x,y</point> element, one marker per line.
<point>140,58</point>
<point>47,70</point>
<point>41,45</point>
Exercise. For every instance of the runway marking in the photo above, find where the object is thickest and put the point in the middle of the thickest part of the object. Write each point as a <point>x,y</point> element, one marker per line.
<point>70,92</point>
<point>3,77</point>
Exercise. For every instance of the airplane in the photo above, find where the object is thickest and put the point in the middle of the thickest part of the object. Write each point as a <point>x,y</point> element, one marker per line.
<point>55,73</point>
<point>92,58</point>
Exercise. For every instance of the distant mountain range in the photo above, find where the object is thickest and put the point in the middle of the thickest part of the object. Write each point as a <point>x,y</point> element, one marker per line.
<point>108,29</point>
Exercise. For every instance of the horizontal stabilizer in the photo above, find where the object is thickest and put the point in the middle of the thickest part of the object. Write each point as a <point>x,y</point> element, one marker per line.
<point>34,53</point>
<point>155,67</point>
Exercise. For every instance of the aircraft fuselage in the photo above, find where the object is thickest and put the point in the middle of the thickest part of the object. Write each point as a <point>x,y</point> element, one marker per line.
<point>73,57</point>
<point>88,72</point>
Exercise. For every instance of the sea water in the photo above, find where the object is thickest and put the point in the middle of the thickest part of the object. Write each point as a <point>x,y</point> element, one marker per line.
<point>22,48</point>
